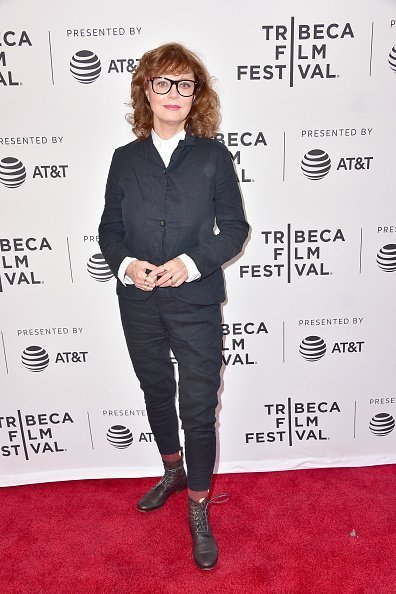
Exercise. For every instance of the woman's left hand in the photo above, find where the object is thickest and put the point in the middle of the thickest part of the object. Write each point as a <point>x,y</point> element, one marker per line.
<point>171,274</point>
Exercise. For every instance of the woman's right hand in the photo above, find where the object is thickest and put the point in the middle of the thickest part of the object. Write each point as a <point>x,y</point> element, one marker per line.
<point>138,272</point>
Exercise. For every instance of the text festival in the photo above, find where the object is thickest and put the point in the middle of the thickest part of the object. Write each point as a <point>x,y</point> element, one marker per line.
<point>298,419</point>
<point>310,56</point>
<point>34,431</point>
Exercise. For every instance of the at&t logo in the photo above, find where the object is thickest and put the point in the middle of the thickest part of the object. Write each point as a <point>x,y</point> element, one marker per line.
<point>313,348</point>
<point>382,424</point>
<point>386,258</point>
<point>99,269</point>
<point>12,172</point>
<point>86,67</point>
<point>392,59</point>
<point>121,437</point>
<point>316,164</point>
<point>35,358</point>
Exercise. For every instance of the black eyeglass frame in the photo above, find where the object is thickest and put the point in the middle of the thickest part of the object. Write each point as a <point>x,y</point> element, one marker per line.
<point>173,82</point>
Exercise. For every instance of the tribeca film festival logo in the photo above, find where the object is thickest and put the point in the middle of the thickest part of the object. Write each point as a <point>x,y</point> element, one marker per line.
<point>234,141</point>
<point>298,50</point>
<point>294,421</point>
<point>294,252</point>
<point>316,164</point>
<point>234,341</point>
<point>13,172</point>
<point>15,267</point>
<point>11,40</point>
<point>86,66</point>
<point>31,434</point>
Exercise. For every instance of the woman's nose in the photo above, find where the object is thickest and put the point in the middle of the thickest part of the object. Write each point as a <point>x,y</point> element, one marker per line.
<point>173,92</point>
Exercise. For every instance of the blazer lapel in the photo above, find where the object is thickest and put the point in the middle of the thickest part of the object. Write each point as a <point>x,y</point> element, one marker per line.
<point>181,150</point>
<point>151,152</point>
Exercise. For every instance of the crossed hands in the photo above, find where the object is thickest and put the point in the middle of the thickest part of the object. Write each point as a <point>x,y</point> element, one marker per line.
<point>146,276</point>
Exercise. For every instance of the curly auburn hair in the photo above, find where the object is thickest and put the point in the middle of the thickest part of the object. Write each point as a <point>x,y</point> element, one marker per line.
<point>204,117</point>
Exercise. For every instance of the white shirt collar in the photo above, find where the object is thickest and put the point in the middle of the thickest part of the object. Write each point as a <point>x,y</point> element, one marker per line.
<point>170,143</point>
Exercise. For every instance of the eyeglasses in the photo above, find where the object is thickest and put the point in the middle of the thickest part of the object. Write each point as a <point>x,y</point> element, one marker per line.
<point>162,85</point>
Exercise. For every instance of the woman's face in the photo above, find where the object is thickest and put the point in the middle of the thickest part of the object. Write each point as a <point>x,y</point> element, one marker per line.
<point>170,110</point>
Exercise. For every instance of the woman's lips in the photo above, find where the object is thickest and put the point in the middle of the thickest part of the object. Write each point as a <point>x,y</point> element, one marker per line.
<point>172,107</point>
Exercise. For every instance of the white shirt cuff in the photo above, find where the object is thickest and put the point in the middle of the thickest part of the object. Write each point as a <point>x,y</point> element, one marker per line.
<point>121,271</point>
<point>192,270</point>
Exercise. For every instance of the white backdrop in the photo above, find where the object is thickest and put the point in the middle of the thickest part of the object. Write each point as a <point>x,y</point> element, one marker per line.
<point>308,113</point>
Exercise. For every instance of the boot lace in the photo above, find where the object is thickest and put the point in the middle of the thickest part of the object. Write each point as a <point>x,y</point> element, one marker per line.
<point>201,513</point>
<point>168,477</point>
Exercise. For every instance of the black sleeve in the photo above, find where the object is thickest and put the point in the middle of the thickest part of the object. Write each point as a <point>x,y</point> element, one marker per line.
<point>111,228</point>
<point>230,220</point>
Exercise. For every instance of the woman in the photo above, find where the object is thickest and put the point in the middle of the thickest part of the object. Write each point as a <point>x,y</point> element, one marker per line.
<point>165,191</point>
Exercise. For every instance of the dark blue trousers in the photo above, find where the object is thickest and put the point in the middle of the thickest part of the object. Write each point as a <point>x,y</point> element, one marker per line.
<point>154,326</point>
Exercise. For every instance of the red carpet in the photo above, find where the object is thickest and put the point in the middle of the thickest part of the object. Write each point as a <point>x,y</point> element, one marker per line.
<point>281,532</point>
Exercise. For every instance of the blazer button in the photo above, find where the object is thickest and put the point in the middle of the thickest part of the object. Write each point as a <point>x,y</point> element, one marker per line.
<point>162,222</point>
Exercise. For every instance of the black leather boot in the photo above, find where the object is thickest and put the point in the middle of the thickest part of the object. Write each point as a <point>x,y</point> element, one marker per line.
<point>173,481</point>
<point>205,549</point>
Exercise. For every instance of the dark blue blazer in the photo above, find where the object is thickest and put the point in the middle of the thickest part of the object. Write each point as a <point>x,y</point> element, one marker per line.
<point>156,213</point>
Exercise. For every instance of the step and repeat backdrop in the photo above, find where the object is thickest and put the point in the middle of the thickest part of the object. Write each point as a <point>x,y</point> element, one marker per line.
<point>307,92</point>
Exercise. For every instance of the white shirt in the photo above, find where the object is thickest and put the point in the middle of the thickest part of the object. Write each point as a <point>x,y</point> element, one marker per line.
<point>165,149</point>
